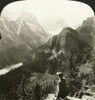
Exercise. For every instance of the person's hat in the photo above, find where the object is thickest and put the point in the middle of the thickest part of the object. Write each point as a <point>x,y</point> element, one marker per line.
<point>60,74</point>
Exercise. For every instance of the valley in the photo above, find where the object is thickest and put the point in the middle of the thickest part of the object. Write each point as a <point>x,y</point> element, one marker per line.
<point>71,51</point>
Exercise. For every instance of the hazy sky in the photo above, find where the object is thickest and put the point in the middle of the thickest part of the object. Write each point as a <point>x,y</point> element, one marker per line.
<point>72,12</point>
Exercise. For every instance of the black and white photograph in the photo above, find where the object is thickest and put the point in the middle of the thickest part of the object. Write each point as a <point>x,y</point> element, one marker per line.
<point>47,50</point>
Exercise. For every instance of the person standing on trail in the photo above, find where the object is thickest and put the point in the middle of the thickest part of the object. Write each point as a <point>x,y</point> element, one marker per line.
<point>62,90</point>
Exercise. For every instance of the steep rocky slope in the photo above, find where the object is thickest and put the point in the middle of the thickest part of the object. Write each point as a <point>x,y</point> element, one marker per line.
<point>87,30</point>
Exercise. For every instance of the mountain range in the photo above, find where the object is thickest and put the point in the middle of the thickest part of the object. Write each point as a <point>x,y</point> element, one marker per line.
<point>26,40</point>
<point>19,37</point>
<point>66,51</point>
